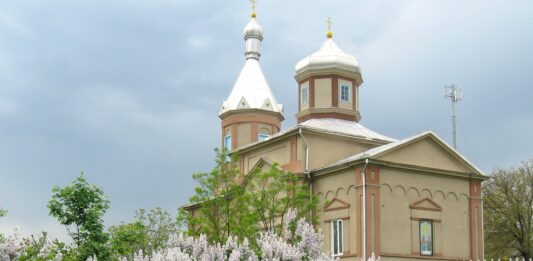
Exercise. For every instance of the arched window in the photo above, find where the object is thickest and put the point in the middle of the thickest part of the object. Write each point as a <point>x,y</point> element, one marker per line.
<point>227,142</point>
<point>262,137</point>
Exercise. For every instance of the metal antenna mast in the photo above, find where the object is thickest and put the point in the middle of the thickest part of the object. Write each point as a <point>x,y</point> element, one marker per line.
<point>454,93</point>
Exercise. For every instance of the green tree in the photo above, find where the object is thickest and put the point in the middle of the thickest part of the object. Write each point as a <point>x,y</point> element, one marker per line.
<point>150,232</point>
<point>226,204</point>
<point>222,208</point>
<point>159,226</point>
<point>128,239</point>
<point>273,192</point>
<point>80,207</point>
<point>508,211</point>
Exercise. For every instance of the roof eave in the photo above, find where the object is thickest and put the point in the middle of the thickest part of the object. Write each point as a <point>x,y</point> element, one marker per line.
<point>360,161</point>
<point>228,113</point>
<point>294,131</point>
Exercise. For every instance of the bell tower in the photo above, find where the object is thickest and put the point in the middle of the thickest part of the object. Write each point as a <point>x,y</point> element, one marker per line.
<point>251,112</point>
<point>328,84</point>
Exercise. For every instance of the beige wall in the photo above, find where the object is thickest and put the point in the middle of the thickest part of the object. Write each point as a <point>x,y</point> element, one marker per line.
<point>323,93</point>
<point>399,189</point>
<point>342,104</point>
<point>278,152</point>
<point>324,150</point>
<point>340,186</point>
<point>426,153</point>
<point>398,222</point>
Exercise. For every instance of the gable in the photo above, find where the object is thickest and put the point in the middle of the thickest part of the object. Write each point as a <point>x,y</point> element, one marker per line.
<point>426,152</point>
<point>426,204</point>
<point>263,164</point>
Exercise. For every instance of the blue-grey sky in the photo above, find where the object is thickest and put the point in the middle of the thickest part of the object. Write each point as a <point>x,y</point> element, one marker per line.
<point>128,91</point>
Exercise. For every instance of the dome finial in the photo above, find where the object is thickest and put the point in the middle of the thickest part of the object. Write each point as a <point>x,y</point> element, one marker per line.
<point>254,3</point>
<point>329,34</point>
<point>253,35</point>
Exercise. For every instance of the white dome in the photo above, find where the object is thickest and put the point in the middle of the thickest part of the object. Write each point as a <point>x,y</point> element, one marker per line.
<point>253,29</point>
<point>329,56</point>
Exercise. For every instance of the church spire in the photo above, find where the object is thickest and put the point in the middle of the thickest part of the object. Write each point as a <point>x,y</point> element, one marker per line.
<point>251,112</point>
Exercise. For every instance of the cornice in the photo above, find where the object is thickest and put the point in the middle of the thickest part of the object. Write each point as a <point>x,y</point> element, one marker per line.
<point>230,113</point>
<point>392,165</point>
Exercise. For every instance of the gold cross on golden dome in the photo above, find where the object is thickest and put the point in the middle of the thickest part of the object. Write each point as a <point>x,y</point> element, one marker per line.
<point>254,3</point>
<point>330,33</point>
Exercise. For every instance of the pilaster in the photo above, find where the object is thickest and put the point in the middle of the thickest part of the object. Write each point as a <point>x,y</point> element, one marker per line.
<point>373,211</point>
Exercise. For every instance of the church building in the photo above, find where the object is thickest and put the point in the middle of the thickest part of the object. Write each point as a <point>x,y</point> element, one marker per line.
<point>414,198</point>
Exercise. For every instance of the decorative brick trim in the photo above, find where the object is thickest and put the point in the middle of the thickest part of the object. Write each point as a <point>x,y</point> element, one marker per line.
<point>254,132</point>
<point>324,76</point>
<point>434,257</point>
<point>475,212</point>
<point>434,220</point>
<point>234,136</point>
<point>335,92</point>
<point>334,115</point>
<point>252,117</point>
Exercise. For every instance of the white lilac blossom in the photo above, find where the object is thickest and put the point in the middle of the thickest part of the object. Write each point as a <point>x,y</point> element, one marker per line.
<point>12,246</point>
<point>299,242</point>
<point>290,216</point>
<point>303,243</point>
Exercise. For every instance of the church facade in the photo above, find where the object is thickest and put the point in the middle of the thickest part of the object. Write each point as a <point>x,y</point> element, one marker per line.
<point>402,199</point>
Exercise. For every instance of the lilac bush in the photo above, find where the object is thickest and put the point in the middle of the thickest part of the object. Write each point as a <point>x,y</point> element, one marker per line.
<point>299,241</point>
<point>12,246</point>
<point>29,247</point>
<point>304,243</point>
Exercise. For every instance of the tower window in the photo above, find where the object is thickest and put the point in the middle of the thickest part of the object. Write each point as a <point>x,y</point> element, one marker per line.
<point>262,137</point>
<point>345,93</point>
<point>227,143</point>
<point>305,94</point>
<point>227,147</point>
<point>336,237</point>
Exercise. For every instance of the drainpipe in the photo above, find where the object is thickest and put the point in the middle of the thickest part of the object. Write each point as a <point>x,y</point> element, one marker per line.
<point>363,175</point>
<point>482,225</point>
<point>306,171</point>
<point>482,257</point>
